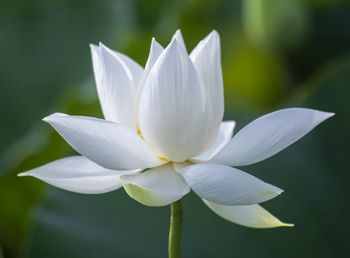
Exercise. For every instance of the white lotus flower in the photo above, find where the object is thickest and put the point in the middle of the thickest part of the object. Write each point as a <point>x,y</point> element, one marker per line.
<point>163,135</point>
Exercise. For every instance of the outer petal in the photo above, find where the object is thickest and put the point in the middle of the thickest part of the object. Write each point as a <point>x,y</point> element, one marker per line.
<point>179,39</point>
<point>228,186</point>
<point>115,86</point>
<point>155,52</point>
<point>206,57</point>
<point>253,216</point>
<point>223,137</point>
<point>78,174</point>
<point>173,107</point>
<point>268,135</point>
<point>134,68</point>
<point>156,187</point>
<point>110,145</point>
<point>99,72</point>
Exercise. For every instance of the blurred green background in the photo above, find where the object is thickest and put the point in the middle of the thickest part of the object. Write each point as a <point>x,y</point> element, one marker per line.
<point>275,54</point>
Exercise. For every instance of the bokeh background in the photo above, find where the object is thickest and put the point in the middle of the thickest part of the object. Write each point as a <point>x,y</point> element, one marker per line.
<point>275,54</point>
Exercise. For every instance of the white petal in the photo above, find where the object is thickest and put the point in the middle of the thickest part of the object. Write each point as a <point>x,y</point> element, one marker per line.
<point>155,52</point>
<point>180,39</point>
<point>108,144</point>
<point>173,107</point>
<point>223,137</point>
<point>206,57</point>
<point>228,186</point>
<point>253,216</point>
<point>134,68</point>
<point>268,135</point>
<point>115,86</point>
<point>156,187</point>
<point>99,72</point>
<point>79,174</point>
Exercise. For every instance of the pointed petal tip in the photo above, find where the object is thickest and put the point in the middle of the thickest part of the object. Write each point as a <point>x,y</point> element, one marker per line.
<point>103,47</point>
<point>278,190</point>
<point>322,115</point>
<point>47,119</point>
<point>178,32</point>
<point>22,174</point>
<point>155,43</point>
<point>329,114</point>
<point>273,192</point>
<point>279,224</point>
<point>178,36</point>
<point>213,35</point>
<point>92,46</point>
<point>52,116</point>
<point>177,46</point>
<point>290,225</point>
<point>174,46</point>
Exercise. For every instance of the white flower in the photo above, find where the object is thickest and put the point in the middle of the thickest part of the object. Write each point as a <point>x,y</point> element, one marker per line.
<point>163,135</point>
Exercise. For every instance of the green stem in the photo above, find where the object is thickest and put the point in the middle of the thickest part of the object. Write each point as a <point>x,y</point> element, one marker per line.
<point>175,230</point>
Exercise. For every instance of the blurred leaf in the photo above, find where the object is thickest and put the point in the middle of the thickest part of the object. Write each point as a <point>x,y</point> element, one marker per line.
<point>275,24</point>
<point>18,198</point>
<point>35,68</point>
<point>253,79</point>
<point>328,39</point>
<point>36,49</point>
<point>327,3</point>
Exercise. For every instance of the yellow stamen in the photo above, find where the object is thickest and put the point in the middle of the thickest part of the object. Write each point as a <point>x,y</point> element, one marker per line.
<point>139,131</point>
<point>163,159</point>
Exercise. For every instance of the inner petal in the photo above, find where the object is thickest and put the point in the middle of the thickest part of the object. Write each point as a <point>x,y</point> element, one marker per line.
<point>173,110</point>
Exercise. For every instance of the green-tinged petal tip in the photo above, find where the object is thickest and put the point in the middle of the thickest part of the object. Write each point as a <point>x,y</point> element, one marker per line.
<point>23,174</point>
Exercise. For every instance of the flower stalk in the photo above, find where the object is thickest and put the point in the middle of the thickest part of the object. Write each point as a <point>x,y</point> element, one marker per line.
<point>175,230</point>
